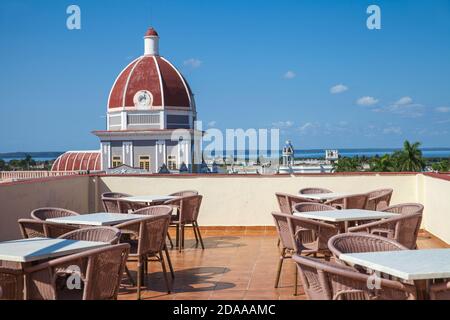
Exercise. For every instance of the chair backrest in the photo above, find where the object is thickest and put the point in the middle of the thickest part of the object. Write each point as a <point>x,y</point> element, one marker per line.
<point>115,195</point>
<point>11,284</point>
<point>51,213</point>
<point>361,242</point>
<point>109,235</point>
<point>150,232</point>
<point>31,228</point>
<point>379,199</point>
<point>188,207</point>
<point>184,193</point>
<point>440,291</point>
<point>155,210</point>
<point>282,226</point>
<point>314,191</point>
<point>287,201</point>
<point>357,201</point>
<point>116,205</point>
<point>312,206</point>
<point>101,272</point>
<point>405,208</point>
<point>331,281</point>
<point>300,230</point>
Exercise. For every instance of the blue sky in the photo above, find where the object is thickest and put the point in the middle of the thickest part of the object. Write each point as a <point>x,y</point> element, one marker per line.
<point>251,64</point>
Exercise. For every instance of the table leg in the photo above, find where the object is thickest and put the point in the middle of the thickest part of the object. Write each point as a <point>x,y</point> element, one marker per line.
<point>422,287</point>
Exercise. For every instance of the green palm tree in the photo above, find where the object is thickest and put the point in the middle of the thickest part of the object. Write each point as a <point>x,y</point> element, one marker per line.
<point>410,158</point>
<point>383,164</point>
<point>347,165</point>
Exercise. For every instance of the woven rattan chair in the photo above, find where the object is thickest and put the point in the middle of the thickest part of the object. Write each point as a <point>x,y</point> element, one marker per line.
<point>155,211</point>
<point>379,199</point>
<point>404,228</point>
<point>188,209</point>
<point>11,284</point>
<point>150,234</point>
<point>310,207</point>
<point>109,235</point>
<point>357,201</point>
<point>100,275</point>
<point>440,291</point>
<point>184,193</point>
<point>43,214</point>
<point>113,203</point>
<point>286,202</point>
<point>295,236</point>
<point>314,191</point>
<point>360,242</point>
<point>43,229</point>
<point>324,280</point>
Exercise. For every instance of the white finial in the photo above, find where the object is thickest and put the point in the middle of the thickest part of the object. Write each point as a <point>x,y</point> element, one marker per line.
<point>151,42</point>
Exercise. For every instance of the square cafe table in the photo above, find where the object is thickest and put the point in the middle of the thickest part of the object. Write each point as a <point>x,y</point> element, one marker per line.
<point>97,219</point>
<point>35,249</point>
<point>326,196</point>
<point>420,266</point>
<point>148,199</point>
<point>345,216</point>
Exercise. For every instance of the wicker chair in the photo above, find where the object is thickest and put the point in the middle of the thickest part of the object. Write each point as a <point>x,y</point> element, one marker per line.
<point>286,202</point>
<point>357,201</point>
<point>109,235</point>
<point>403,229</point>
<point>323,280</point>
<point>379,199</point>
<point>360,242</point>
<point>150,234</point>
<point>100,275</point>
<point>11,284</point>
<point>295,236</point>
<point>155,211</point>
<point>314,191</point>
<point>43,229</point>
<point>113,203</point>
<point>43,214</point>
<point>310,207</point>
<point>440,291</point>
<point>184,193</point>
<point>188,210</point>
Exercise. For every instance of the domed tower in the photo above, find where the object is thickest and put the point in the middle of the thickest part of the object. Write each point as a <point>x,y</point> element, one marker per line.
<point>148,104</point>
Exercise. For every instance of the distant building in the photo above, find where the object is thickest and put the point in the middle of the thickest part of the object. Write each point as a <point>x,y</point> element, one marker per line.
<point>288,154</point>
<point>331,155</point>
<point>150,119</point>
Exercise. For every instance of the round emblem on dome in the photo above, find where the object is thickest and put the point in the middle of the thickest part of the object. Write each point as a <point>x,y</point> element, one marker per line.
<point>142,99</point>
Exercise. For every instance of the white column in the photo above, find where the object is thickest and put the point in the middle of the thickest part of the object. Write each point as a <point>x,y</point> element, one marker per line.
<point>123,122</point>
<point>128,153</point>
<point>106,154</point>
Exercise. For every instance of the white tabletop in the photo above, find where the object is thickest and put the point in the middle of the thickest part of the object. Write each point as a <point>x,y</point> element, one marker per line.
<point>326,196</point>
<point>405,264</point>
<point>345,215</point>
<point>97,219</point>
<point>28,250</point>
<point>148,199</point>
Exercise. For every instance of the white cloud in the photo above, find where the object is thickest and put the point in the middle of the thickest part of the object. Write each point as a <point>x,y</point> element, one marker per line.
<point>212,123</point>
<point>367,101</point>
<point>193,63</point>
<point>283,124</point>
<point>404,101</point>
<point>392,130</point>
<point>443,109</point>
<point>289,75</point>
<point>338,89</point>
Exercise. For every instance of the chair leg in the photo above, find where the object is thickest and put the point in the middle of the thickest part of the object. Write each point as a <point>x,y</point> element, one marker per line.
<point>295,279</point>
<point>163,265</point>
<point>177,236</point>
<point>199,235</point>
<point>169,262</point>
<point>139,275</point>
<point>278,243</point>
<point>195,234</point>
<point>180,230</point>
<point>280,265</point>
<point>127,271</point>
<point>170,240</point>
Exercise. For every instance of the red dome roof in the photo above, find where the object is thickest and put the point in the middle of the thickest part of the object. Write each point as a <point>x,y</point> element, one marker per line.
<point>78,161</point>
<point>151,33</point>
<point>156,75</point>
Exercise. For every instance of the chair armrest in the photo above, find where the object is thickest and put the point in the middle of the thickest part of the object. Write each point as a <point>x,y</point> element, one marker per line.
<point>368,226</point>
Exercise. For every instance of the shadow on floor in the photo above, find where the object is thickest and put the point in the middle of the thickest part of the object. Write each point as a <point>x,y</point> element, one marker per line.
<point>202,279</point>
<point>215,242</point>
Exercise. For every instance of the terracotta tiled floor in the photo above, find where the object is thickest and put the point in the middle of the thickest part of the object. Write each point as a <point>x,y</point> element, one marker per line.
<point>236,264</point>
